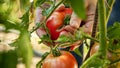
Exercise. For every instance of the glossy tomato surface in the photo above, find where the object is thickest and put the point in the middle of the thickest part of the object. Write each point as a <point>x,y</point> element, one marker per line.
<point>53,23</point>
<point>65,60</point>
<point>56,20</point>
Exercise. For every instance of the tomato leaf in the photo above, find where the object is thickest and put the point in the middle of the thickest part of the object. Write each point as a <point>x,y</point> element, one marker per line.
<point>24,4</point>
<point>93,63</point>
<point>114,36</point>
<point>114,44</point>
<point>9,25</point>
<point>45,38</point>
<point>79,34</point>
<point>63,39</point>
<point>78,7</point>
<point>39,2</point>
<point>47,11</point>
<point>25,19</point>
<point>114,31</point>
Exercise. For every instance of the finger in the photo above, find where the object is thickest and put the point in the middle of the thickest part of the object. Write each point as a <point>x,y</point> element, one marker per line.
<point>40,32</point>
<point>88,27</point>
<point>64,33</point>
<point>70,29</point>
<point>90,19</point>
<point>39,17</point>
<point>75,21</point>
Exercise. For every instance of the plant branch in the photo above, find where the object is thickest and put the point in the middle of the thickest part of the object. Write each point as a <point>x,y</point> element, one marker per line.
<point>54,9</point>
<point>110,4</point>
<point>91,38</point>
<point>38,65</point>
<point>102,28</point>
<point>36,27</point>
<point>115,61</point>
<point>89,60</point>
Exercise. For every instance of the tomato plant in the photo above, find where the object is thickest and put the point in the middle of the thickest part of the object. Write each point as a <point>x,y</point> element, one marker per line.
<point>20,19</point>
<point>65,60</point>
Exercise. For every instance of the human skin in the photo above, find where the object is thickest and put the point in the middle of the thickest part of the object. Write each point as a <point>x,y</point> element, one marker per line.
<point>75,21</point>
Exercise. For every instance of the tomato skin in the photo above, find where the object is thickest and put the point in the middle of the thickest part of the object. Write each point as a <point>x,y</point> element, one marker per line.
<point>68,11</point>
<point>55,21</point>
<point>65,11</point>
<point>65,60</point>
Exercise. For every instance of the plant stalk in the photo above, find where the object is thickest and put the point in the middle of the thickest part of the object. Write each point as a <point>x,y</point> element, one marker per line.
<point>102,28</point>
<point>103,34</point>
<point>110,4</point>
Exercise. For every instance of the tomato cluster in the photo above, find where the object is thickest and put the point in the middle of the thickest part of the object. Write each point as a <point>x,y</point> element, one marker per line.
<point>54,24</point>
<point>56,20</point>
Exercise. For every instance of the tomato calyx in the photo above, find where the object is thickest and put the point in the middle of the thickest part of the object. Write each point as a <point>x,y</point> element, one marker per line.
<point>56,52</point>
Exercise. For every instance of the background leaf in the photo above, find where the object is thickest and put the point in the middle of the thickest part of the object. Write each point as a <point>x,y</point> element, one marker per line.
<point>25,48</point>
<point>78,7</point>
<point>114,36</point>
<point>114,31</point>
<point>8,59</point>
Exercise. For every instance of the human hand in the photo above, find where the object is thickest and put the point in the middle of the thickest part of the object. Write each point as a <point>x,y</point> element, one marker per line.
<point>54,22</point>
<point>75,22</point>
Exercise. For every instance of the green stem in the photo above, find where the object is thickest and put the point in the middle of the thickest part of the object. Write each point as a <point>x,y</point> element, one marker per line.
<point>115,61</point>
<point>89,60</point>
<point>103,34</point>
<point>54,9</point>
<point>36,27</point>
<point>110,4</point>
<point>56,52</point>
<point>38,65</point>
<point>91,38</point>
<point>102,28</point>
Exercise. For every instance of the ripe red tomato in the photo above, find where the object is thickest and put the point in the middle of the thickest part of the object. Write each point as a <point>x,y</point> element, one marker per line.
<point>68,11</point>
<point>65,11</point>
<point>65,60</point>
<point>55,21</point>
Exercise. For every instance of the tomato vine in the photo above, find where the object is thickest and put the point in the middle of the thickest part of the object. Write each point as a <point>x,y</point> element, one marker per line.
<point>10,20</point>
